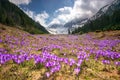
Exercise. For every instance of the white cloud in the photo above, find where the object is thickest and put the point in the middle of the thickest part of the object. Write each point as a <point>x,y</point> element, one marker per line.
<point>54,21</point>
<point>63,15</point>
<point>41,17</point>
<point>18,2</point>
<point>30,13</point>
<point>64,10</point>
<point>81,9</point>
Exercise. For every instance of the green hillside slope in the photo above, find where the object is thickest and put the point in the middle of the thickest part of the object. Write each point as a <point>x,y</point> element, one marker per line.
<point>12,15</point>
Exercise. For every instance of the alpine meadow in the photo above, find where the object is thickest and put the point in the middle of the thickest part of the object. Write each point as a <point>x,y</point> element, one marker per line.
<point>59,39</point>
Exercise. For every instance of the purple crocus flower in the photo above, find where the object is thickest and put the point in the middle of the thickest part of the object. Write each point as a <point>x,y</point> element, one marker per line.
<point>47,74</point>
<point>72,61</point>
<point>76,71</point>
<point>1,41</point>
<point>105,61</point>
<point>117,63</point>
<point>79,62</point>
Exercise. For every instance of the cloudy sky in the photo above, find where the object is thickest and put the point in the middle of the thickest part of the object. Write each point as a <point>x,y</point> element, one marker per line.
<point>48,12</point>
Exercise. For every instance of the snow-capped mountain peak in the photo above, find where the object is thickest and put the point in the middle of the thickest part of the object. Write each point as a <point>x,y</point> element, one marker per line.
<point>107,9</point>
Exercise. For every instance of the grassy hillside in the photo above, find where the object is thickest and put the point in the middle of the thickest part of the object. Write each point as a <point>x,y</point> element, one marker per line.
<point>11,15</point>
<point>92,56</point>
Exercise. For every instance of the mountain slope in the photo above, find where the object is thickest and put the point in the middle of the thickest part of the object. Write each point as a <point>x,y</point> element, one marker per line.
<point>74,23</point>
<point>107,9</point>
<point>11,15</point>
<point>55,26</point>
<point>57,29</point>
<point>67,27</point>
<point>107,18</point>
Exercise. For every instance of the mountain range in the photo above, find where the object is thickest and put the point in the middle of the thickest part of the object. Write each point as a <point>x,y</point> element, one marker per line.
<point>57,29</point>
<point>63,28</point>
<point>107,18</point>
